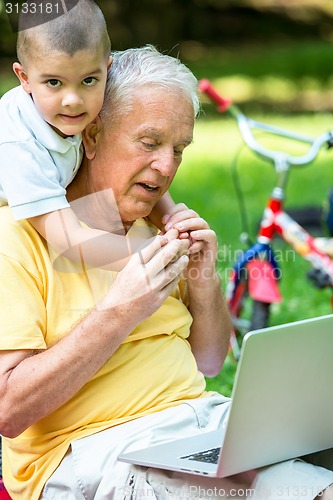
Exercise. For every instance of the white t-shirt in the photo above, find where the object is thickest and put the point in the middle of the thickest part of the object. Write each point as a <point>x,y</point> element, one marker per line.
<point>36,164</point>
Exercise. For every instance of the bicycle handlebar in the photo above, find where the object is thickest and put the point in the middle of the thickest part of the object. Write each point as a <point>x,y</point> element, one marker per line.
<point>222,103</point>
<point>280,159</point>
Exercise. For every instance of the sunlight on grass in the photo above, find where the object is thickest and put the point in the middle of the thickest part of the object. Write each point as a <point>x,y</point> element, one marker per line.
<point>243,88</point>
<point>307,92</point>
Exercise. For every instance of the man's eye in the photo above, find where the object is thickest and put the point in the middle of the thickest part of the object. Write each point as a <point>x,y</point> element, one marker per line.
<point>89,81</point>
<point>148,145</point>
<point>53,83</point>
<point>178,153</point>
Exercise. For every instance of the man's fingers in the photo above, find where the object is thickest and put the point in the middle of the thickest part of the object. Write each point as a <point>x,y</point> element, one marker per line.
<point>152,246</point>
<point>171,274</point>
<point>172,234</point>
<point>196,247</point>
<point>207,235</point>
<point>147,252</point>
<point>200,238</point>
<point>166,265</point>
<point>169,253</point>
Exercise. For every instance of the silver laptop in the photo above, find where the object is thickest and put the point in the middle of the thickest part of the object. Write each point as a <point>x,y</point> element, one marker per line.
<point>281,406</point>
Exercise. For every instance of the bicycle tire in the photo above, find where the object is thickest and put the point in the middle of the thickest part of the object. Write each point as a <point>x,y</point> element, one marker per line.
<point>256,317</point>
<point>260,315</point>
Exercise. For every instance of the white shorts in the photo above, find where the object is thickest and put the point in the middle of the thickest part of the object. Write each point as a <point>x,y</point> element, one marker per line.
<point>90,470</point>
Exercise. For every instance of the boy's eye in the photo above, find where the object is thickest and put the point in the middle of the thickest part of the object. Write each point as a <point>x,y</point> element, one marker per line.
<point>53,83</point>
<point>89,81</point>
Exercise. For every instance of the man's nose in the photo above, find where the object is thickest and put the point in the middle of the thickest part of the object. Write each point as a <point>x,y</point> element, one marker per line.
<point>165,162</point>
<point>72,99</point>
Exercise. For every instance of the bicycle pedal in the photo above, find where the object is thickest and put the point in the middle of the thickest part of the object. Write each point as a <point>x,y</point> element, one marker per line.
<point>319,278</point>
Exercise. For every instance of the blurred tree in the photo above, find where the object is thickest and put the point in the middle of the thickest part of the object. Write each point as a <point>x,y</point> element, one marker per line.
<point>168,23</point>
<point>221,38</point>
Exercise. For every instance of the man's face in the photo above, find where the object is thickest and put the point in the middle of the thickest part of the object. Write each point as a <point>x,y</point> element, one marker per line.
<point>139,153</point>
<point>68,91</point>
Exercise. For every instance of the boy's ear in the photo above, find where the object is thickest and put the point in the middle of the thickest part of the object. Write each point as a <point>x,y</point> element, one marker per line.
<point>90,137</point>
<point>109,62</point>
<point>22,76</point>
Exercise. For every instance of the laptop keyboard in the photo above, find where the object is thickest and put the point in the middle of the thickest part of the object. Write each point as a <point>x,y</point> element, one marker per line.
<point>209,456</point>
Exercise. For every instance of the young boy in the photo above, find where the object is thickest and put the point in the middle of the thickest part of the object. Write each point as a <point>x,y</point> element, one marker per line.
<point>62,68</point>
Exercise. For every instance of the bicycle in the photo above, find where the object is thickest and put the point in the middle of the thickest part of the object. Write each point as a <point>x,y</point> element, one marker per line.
<point>256,273</point>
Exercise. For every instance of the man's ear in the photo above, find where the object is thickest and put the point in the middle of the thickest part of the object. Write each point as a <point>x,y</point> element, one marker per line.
<point>90,137</point>
<point>22,76</point>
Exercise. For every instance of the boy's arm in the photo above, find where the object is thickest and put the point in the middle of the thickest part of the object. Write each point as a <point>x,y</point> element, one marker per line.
<point>93,247</point>
<point>161,209</point>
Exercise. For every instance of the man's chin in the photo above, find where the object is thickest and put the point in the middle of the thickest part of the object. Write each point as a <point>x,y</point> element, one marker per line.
<point>138,211</point>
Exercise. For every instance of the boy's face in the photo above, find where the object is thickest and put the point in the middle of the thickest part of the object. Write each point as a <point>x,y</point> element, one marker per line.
<point>68,91</point>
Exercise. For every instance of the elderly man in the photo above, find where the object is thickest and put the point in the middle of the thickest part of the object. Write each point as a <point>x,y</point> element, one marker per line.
<point>94,363</point>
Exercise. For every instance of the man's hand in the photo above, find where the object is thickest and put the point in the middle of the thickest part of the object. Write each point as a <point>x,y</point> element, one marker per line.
<point>202,240</point>
<point>149,277</point>
<point>178,215</point>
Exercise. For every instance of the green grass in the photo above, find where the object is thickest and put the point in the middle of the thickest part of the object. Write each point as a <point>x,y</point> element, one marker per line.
<point>204,182</point>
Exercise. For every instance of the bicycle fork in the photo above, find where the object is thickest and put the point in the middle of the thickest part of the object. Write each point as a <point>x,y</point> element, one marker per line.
<point>257,268</point>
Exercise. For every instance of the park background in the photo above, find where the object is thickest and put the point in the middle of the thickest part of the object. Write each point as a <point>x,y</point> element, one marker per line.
<point>272,57</point>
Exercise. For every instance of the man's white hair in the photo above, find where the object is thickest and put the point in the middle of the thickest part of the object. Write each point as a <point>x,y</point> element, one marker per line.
<point>141,67</point>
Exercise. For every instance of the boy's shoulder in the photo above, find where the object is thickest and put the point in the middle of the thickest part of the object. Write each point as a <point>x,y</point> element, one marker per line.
<point>10,99</point>
<point>11,94</point>
<point>12,124</point>
<point>21,124</point>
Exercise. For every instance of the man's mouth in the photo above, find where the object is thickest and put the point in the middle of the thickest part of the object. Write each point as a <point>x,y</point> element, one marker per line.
<point>148,187</point>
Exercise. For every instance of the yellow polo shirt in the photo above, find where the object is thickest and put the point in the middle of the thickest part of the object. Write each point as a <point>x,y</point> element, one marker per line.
<point>39,306</point>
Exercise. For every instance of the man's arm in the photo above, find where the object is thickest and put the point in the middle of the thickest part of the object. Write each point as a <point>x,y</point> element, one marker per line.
<point>211,328</point>
<point>33,385</point>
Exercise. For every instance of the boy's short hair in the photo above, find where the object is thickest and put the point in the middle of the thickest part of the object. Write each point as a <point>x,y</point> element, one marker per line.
<point>81,28</point>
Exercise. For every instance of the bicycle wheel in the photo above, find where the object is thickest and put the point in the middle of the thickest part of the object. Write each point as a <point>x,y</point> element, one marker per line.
<point>241,323</point>
<point>247,314</point>
<point>260,315</point>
